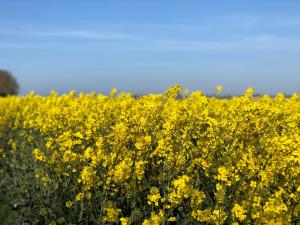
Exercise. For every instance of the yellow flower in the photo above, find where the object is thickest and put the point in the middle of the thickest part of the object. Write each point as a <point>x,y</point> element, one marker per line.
<point>253,184</point>
<point>88,177</point>
<point>140,169</point>
<point>79,196</point>
<point>222,174</point>
<point>154,196</point>
<point>146,222</point>
<point>155,219</point>
<point>219,89</point>
<point>239,212</point>
<point>124,221</point>
<point>112,214</point>
<point>172,219</point>
<point>181,189</point>
<point>38,154</point>
<point>69,204</point>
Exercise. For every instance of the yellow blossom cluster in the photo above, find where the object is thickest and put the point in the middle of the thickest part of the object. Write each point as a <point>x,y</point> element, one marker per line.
<point>155,159</point>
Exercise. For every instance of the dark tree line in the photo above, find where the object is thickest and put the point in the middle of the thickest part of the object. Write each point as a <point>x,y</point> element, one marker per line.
<point>8,84</point>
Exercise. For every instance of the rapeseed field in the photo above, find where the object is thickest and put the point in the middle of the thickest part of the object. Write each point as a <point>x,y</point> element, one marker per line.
<point>155,159</point>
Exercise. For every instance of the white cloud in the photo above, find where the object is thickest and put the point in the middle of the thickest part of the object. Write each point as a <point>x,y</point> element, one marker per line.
<point>80,34</point>
<point>15,45</point>
<point>198,45</point>
<point>273,42</point>
<point>258,42</point>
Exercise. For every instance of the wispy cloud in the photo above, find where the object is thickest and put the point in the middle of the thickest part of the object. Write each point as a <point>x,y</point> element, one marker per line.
<point>272,42</point>
<point>197,45</point>
<point>16,45</point>
<point>258,42</point>
<point>290,22</point>
<point>79,34</point>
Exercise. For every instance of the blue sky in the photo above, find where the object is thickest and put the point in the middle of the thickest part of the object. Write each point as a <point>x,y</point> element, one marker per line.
<point>146,46</point>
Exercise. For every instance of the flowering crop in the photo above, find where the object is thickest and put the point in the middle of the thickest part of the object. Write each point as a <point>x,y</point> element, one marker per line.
<point>156,159</point>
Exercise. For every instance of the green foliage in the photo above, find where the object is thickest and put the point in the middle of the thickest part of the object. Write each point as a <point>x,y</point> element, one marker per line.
<point>7,215</point>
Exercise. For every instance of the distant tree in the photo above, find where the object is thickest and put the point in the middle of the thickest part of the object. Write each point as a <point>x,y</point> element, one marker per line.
<point>8,84</point>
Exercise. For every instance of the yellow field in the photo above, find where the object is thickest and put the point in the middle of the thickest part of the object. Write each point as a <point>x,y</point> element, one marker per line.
<point>157,159</point>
